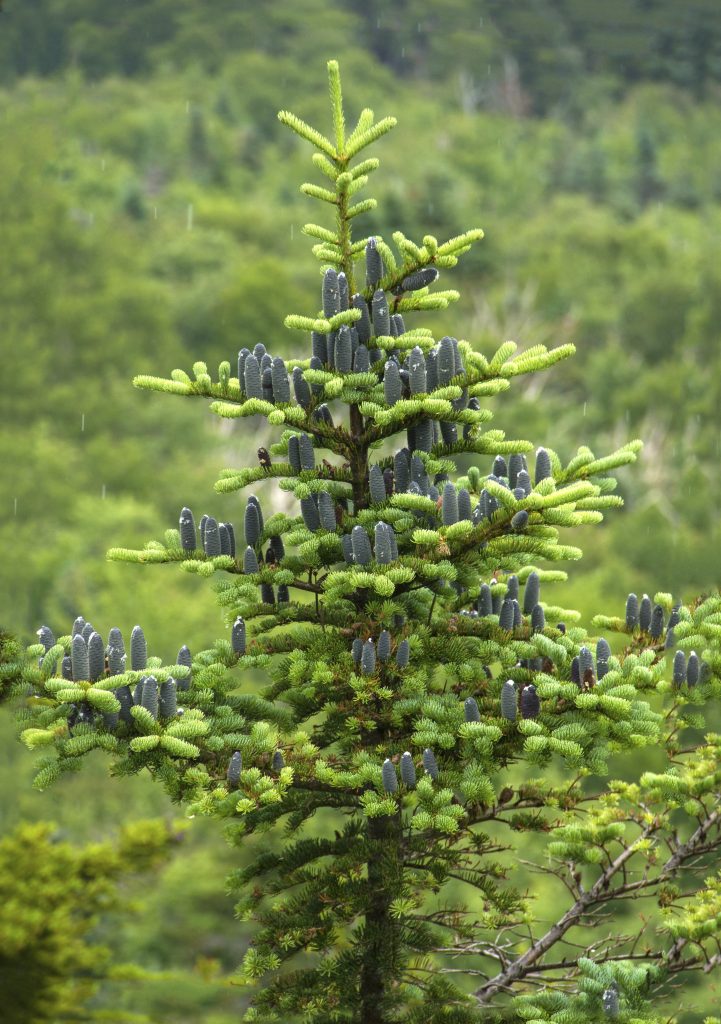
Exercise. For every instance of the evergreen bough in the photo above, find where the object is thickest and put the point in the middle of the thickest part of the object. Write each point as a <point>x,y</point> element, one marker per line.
<point>494,694</point>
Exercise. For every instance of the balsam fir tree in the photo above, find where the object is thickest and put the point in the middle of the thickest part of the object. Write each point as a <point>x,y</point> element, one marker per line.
<point>448,719</point>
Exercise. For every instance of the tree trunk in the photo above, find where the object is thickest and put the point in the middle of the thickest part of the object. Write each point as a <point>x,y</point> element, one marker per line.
<point>381,956</point>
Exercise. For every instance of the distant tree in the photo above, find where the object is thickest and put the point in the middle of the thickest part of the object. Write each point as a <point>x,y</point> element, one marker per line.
<point>442,719</point>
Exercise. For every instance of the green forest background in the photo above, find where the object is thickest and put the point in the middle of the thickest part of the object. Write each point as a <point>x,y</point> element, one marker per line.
<point>150,216</point>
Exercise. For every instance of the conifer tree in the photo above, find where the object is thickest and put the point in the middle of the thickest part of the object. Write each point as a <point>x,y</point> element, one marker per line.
<point>422,691</point>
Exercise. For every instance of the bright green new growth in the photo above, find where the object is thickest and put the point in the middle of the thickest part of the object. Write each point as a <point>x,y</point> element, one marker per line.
<point>385,610</point>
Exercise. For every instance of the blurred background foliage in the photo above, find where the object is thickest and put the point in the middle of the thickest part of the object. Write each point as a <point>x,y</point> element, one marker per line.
<point>150,216</point>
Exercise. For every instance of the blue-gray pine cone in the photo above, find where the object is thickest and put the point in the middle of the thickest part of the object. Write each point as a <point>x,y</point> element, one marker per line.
<point>424,435</point>
<point>322,415</point>
<point>464,504</point>
<point>576,671</point>
<point>380,314</point>
<point>231,537</point>
<point>46,637</point>
<point>397,325</point>
<point>79,658</point>
<point>523,481</point>
<point>254,501</point>
<point>278,762</point>
<point>644,614</point>
<point>418,474</point>
<point>301,388</point>
<point>656,627</point>
<point>388,481</point>
<point>403,654</point>
<point>251,377</point>
<point>281,384</point>
<point>277,547</point>
<point>116,661</point>
<point>383,543</point>
<point>376,484</point>
<point>224,538</point>
<point>408,770</point>
<point>419,279</point>
<point>585,661</point>
<point>679,668</point>
<point>610,1001</point>
<point>361,360</point>
<point>319,346</point>
<point>517,616</point>
<point>499,466</point>
<point>259,350</point>
<point>368,658</point>
<point>363,326</point>
<point>138,649</point>
<point>294,453</point>
<point>432,370</point>
<point>326,511</point>
<point>266,594</point>
<point>78,625</point>
<point>450,504</point>
<point>417,371</point>
<point>390,779</point>
<point>283,593</point>
<point>538,619</point>
<point>242,356</point>
<point>543,465</point>
<point>184,658</point>
<point>201,529</point>
<point>449,432</point>
<point>509,701</point>
<point>383,648</point>
<point>110,720</point>
<point>520,520</point>
<point>86,631</point>
<point>357,650</point>
<point>250,560</point>
<point>211,538</point>
<point>307,455</point>
<point>362,553</point>
<point>675,616</point>
<point>344,350</point>
<point>125,698</point>
<point>512,586</point>
<point>670,640</point>
<point>168,699</point>
<point>330,293</point>
<point>235,767</point>
<point>531,593</point>
<point>138,692</point>
<point>470,710</point>
<point>391,382</point>
<point>149,699</point>
<point>401,471</point>
<point>374,264</point>
<point>505,619</point>
<point>530,702</point>
<point>518,493</point>
<point>603,653</point>
<point>309,511</point>
<point>446,361</point>
<point>96,656</point>
<point>343,291</point>
<point>347,546</point>
<point>485,603</point>
<point>237,636</point>
<point>429,763</point>
<point>496,598</point>
<point>631,611</point>
<point>515,465</point>
<point>115,639</point>
<point>693,667</point>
